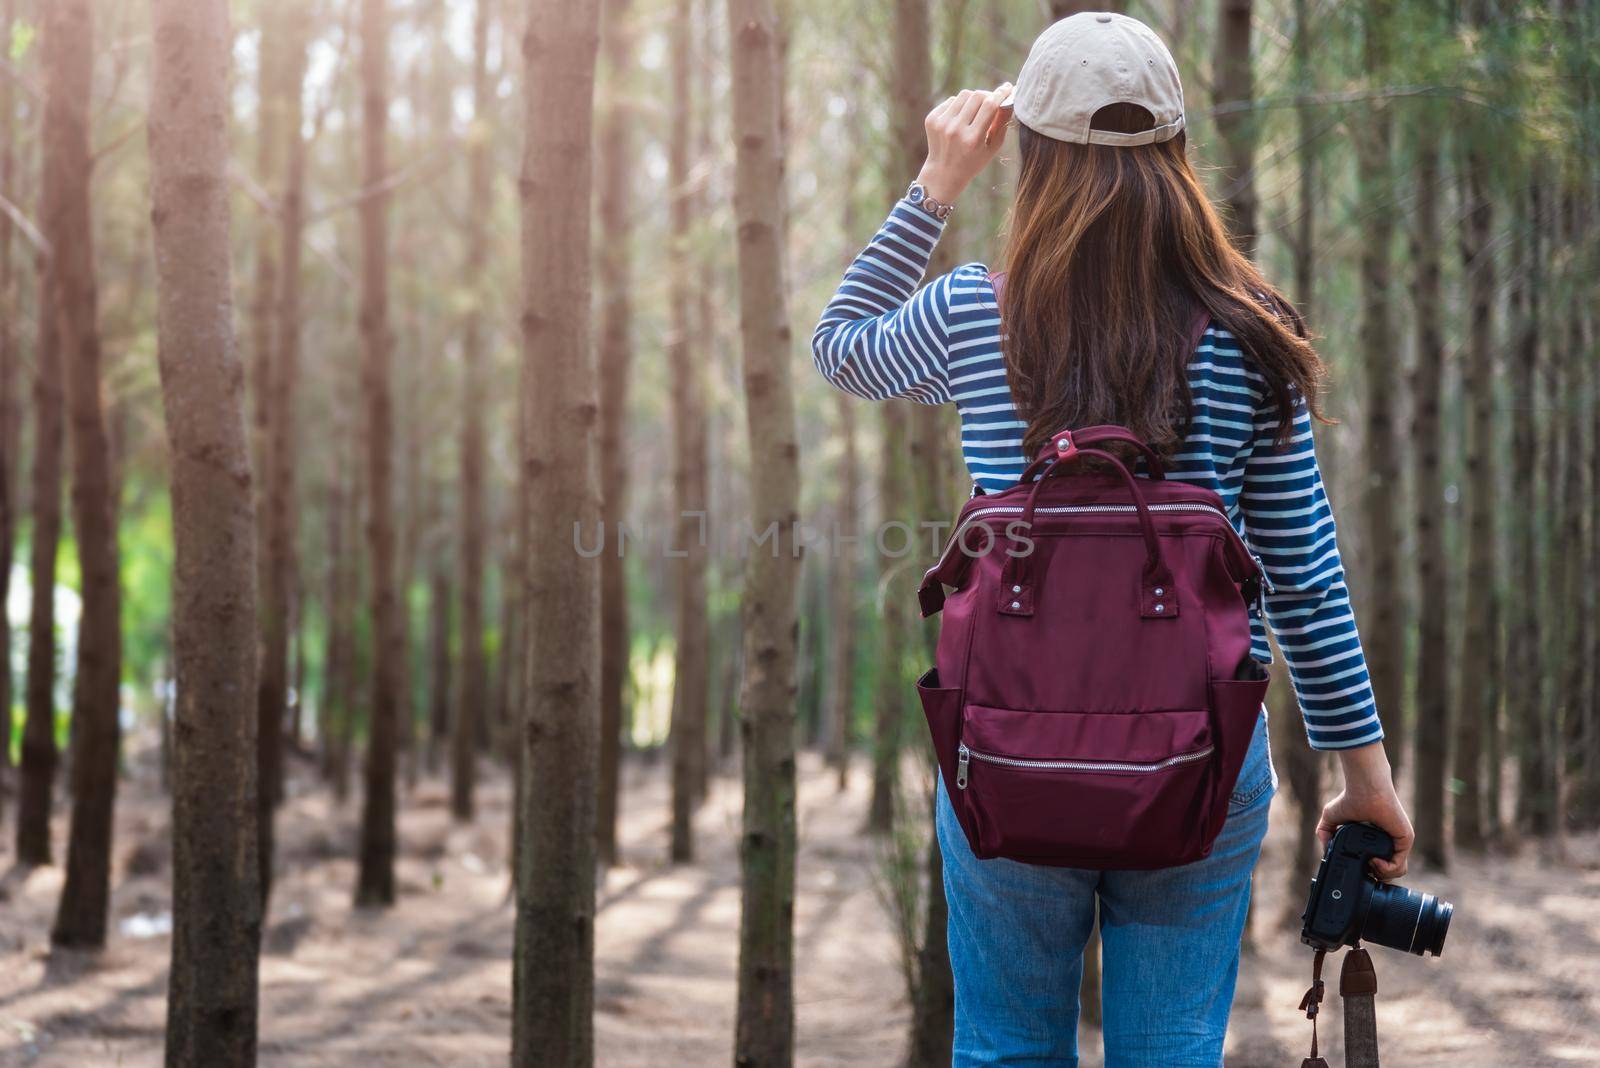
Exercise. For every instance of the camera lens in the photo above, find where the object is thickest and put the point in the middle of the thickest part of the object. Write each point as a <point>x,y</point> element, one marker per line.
<point>1406,920</point>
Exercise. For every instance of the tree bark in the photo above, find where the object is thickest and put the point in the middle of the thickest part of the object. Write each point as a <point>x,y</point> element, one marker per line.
<point>933,998</point>
<point>1572,703</point>
<point>1233,88</point>
<point>375,884</point>
<point>217,903</point>
<point>685,358</point>
<point>615,164</point>
<point>1479,638</point>
<point>912,76</point>
<point>842,656</point>
<point>37,769</point>
<point>553,977</point>
<point>765,1027</point>
<point>283,73</point>
<point>712,268</point>
<point>67,42</point>
<point>471,712</point>
<point>339,659</point>
<point>1383,624</point>
<point>1433,562</point>
<point>1525,698</point>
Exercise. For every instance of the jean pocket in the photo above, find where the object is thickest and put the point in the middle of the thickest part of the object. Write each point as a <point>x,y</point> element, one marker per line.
<point>1255,778</point>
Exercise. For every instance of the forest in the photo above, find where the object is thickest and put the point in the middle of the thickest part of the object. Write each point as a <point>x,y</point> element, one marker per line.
<point>446,616</point>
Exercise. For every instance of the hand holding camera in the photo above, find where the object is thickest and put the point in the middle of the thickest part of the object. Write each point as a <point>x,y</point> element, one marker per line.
<point>1369,795</point>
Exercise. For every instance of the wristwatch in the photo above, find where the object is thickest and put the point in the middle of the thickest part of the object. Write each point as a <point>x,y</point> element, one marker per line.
<point>918,195</point>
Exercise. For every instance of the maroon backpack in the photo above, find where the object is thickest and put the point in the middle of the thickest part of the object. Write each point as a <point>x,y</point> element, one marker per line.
<point>1094,693</point>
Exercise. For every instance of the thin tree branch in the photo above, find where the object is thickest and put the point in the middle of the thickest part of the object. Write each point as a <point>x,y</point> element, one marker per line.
<point>23,223</point>
<point>389,184</point>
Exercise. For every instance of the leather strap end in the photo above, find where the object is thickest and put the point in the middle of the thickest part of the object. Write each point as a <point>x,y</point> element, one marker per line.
<point>1357,978</point>
<point>930,597</point>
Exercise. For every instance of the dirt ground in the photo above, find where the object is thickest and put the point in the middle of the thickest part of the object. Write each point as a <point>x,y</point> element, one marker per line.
<point>427,983</point>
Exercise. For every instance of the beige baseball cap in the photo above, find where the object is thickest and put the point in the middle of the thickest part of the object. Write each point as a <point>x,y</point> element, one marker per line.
<point>1089,60</point>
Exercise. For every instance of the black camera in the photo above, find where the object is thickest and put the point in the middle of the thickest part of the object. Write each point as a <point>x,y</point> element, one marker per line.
<point>1347,905</point>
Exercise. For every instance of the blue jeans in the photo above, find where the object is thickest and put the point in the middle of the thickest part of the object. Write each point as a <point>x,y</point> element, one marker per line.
<point>1170,945</point>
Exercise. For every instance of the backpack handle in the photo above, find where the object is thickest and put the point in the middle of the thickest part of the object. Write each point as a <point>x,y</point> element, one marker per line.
<point>1158,599</point>
<point>1063,442</point>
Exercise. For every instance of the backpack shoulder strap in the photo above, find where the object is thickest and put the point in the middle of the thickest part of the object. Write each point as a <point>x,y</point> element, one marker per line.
<point>1198,327</point>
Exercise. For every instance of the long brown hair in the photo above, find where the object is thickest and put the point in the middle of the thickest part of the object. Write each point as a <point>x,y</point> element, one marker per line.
<point>1111,253</point>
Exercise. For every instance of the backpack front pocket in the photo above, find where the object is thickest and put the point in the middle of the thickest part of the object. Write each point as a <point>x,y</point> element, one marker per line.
<point>1124,790</point>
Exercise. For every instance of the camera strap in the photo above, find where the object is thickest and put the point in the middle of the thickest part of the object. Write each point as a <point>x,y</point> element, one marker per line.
<point>1358,989</point>
<point>1311,1004</point>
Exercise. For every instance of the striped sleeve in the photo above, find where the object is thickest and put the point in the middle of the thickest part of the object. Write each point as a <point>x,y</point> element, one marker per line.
<point>1289,525</point>
<point>880,336</point>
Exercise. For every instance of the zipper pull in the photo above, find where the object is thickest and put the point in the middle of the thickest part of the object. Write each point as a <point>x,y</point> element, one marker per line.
<point>1261,568</point>
<point>963,758</point>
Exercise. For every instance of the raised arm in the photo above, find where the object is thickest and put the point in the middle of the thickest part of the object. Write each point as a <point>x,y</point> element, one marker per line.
<point>880,336</point>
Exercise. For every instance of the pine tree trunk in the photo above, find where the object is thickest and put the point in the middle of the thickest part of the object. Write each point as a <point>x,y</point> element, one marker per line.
<point>216,899</point>
<point>615,166</point>
<point>410,512</point>
<point>263,298</point>
<point>1302,765</point>
<point>10,414</point>
<point>37,768</point>
<point>1234,92</point>
<point>1382,617</point>
<point>685,360</point>
<point>1557,567</point>
<point>553,977</point>
<point>894,620</point>
<point>765,1028</point>
<point>439,656</point>
<point>711,269</point>
<point>842,655</point>
<point>933,1003</point>
<point>339,607</point>
<point>1433,703</point>
<point>271,679</point>
<point>68,44</point>
<point>1569,541</point>
<point>913,79</point>
<point>1479,638</point>
<point>283,72</point>
<point>375,884</point>
<point>1526,692</point>
<point>471,712</point>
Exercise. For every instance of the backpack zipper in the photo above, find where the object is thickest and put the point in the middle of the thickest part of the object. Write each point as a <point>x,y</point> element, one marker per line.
<point>1074,509</point>
<point>965,755</point>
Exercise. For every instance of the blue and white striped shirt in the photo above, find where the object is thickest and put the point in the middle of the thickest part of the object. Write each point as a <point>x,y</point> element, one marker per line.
<point>881,337</point>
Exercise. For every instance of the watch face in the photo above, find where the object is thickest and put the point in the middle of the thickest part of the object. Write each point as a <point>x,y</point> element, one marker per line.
<point>915,194</point>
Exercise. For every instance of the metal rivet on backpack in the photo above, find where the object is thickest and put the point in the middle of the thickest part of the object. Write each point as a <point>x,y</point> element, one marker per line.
<point>1160,592</point>
<point>1161,608</point>
<point>1016,604</point>
<point>1016,589</point>
<point>1063,443</point>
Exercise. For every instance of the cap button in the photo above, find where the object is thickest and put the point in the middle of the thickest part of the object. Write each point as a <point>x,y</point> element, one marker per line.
<point>1102,18</point>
